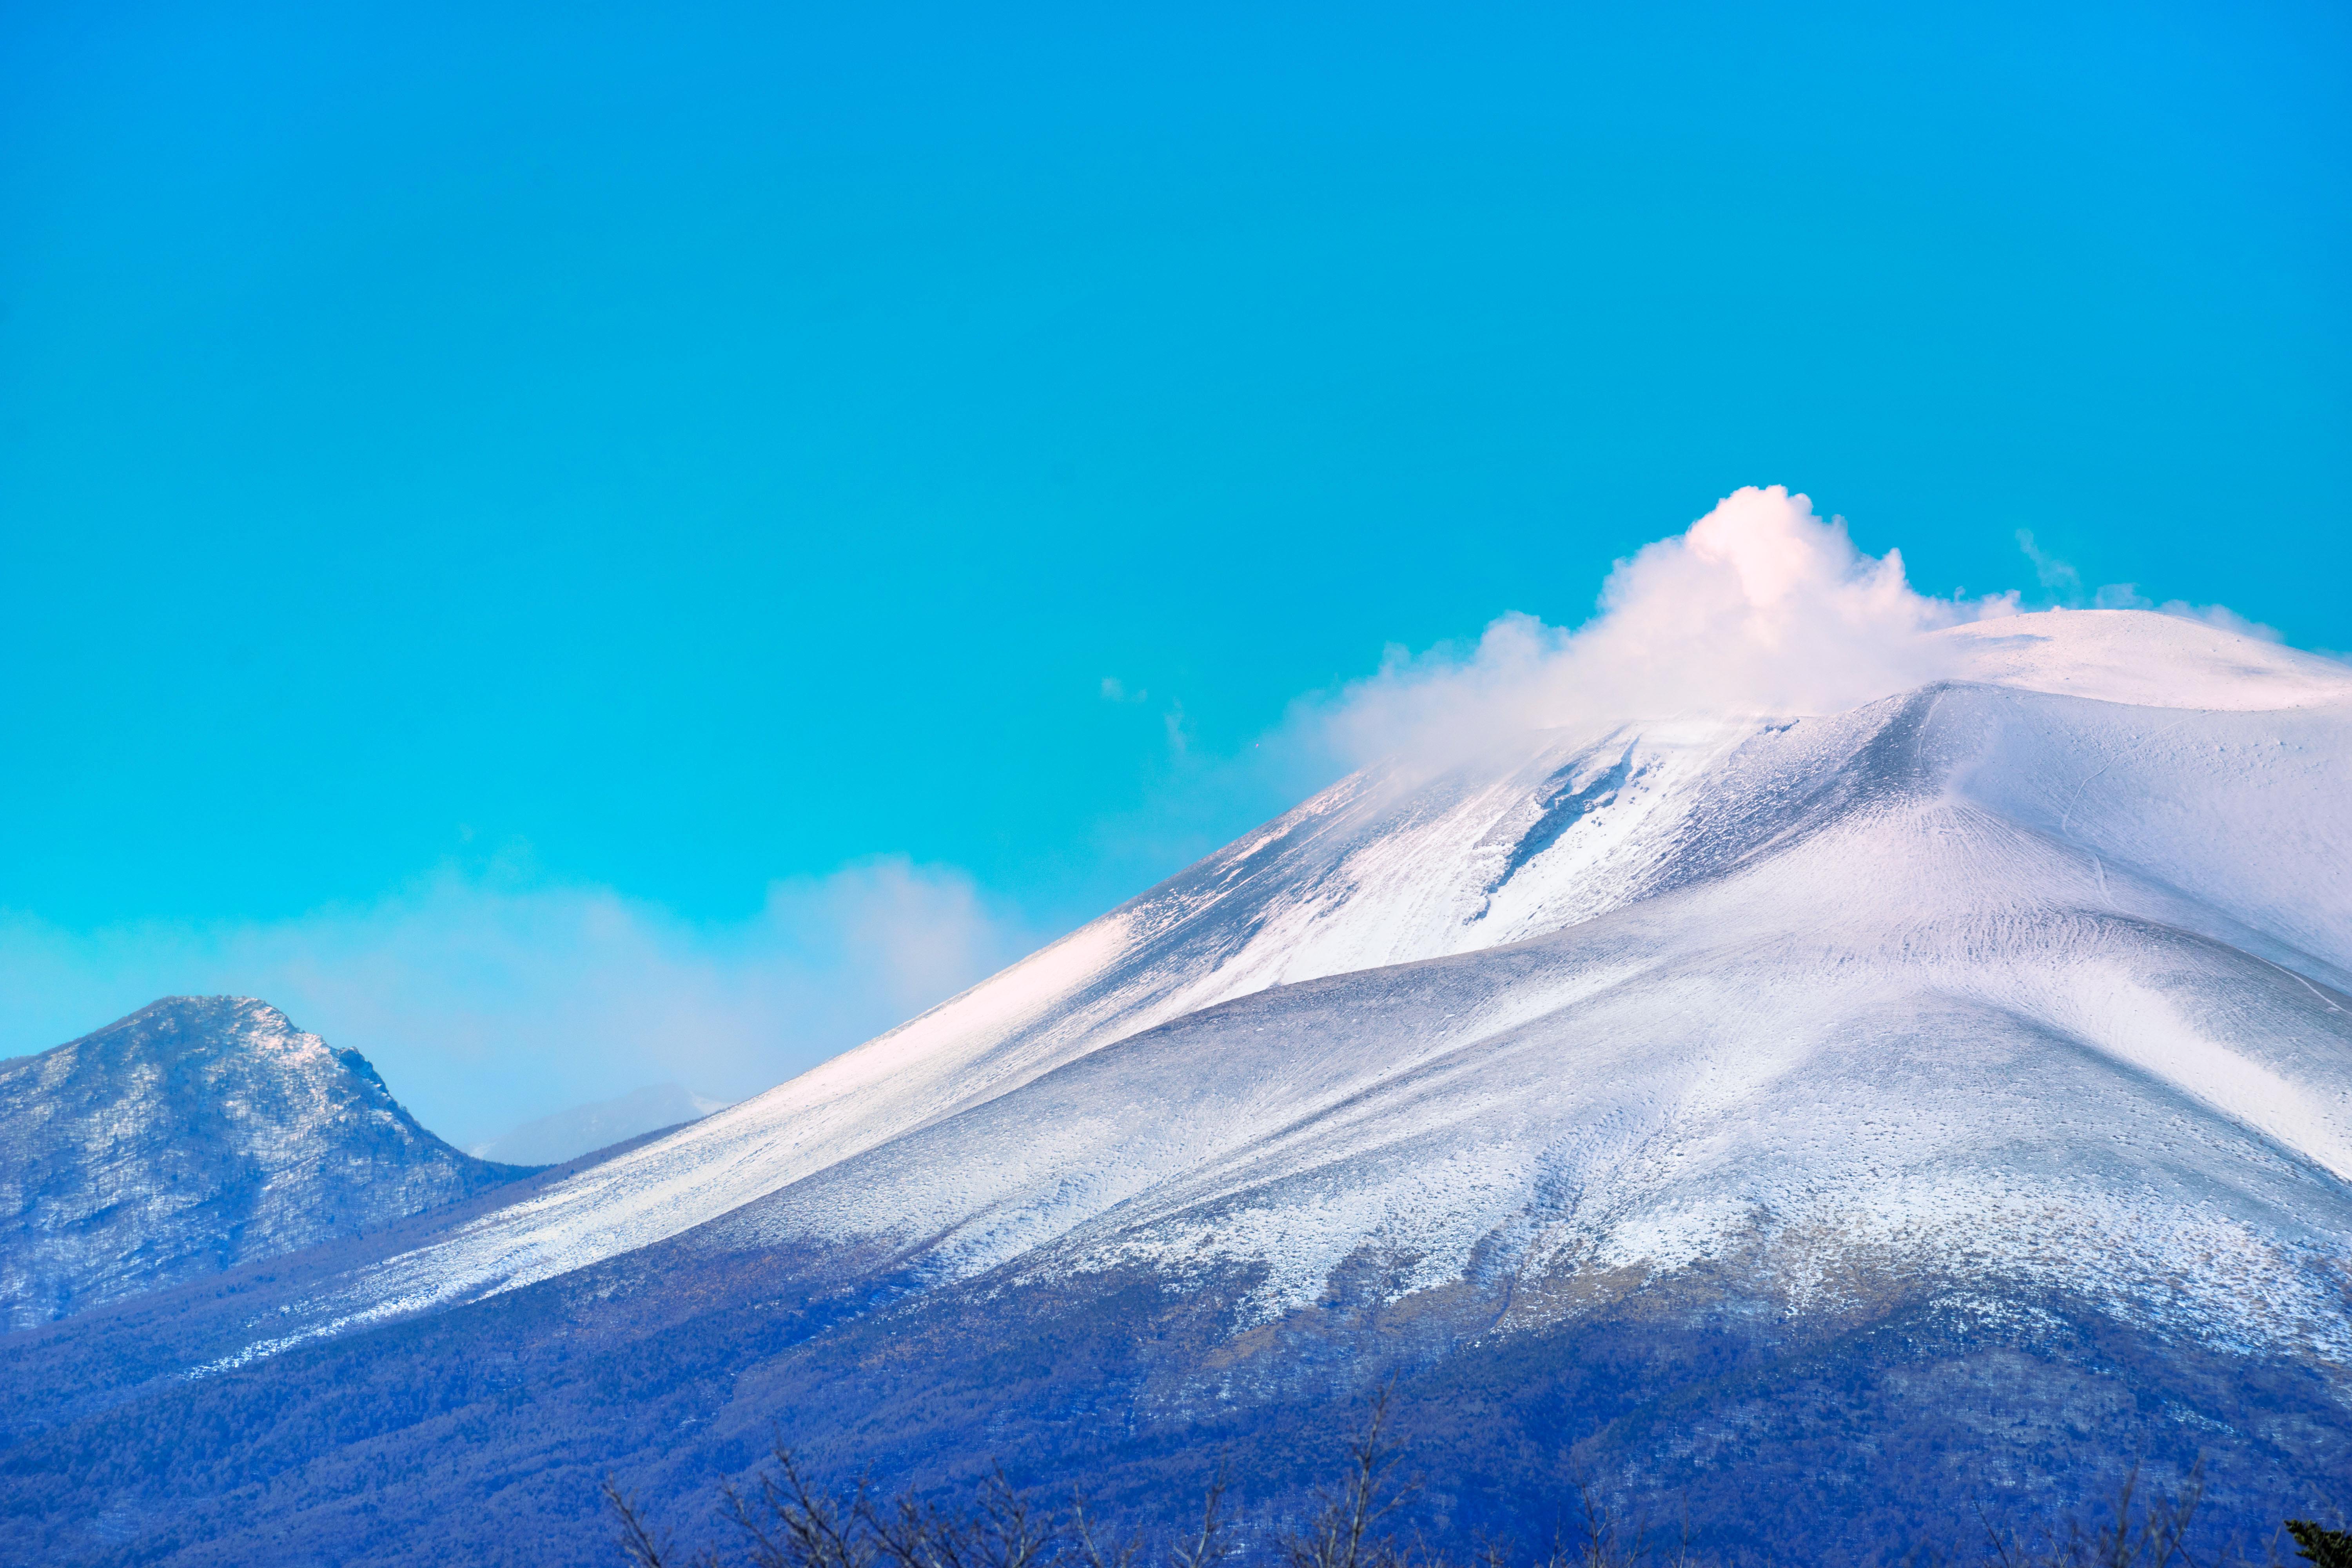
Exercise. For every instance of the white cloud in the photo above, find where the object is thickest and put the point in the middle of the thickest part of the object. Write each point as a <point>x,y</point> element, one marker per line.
<point>2127,596</point>
<point>2066,584</point>
<point>2054,574</point>
<point>1760,606</point>
<point>488,1000</point>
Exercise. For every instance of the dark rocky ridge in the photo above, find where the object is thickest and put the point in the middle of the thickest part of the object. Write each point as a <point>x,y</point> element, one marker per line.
<point>199,1133</point>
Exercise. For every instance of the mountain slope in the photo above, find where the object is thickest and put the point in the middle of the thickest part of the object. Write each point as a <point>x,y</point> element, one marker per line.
<point>2229,820</point>
<point>198,1134</point>
<point>1831,1121</point>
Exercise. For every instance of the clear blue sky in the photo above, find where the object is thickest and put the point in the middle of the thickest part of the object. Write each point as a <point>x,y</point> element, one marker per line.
<point>712,442</point>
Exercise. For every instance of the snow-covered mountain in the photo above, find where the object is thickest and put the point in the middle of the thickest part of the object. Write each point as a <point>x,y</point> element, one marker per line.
<point>2037,970</point>
<point>198,1134</point>
<point>1820,1123</point>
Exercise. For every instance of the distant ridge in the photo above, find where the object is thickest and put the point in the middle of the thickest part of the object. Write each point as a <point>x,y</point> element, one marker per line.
<point>198,1134</point>
<point>585,1128</point>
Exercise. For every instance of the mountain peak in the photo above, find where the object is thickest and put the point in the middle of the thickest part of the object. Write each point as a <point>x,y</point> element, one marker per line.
<point>195,1134</point>
<point>194,1018</point>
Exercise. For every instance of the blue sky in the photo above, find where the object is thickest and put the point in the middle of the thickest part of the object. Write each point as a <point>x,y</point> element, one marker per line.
<point>706,462</point>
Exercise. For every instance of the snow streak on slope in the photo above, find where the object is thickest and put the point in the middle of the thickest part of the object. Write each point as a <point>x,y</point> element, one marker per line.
<point>1894,974</point>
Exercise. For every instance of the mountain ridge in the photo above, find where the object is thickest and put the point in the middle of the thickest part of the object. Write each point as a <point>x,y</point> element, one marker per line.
<point>192,1135</point>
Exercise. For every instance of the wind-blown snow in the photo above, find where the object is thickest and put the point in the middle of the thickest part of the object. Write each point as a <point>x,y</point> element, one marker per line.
<point>2034,974</point>
<point>2148,661</point>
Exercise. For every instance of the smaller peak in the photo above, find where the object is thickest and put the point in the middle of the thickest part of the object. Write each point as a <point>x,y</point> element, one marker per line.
<point>206,1003</point>
<point>179,1023</point>
<point>206,1012</point>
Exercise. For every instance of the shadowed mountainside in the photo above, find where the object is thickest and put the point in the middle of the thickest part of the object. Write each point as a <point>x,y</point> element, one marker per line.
<point>1783,1435</point>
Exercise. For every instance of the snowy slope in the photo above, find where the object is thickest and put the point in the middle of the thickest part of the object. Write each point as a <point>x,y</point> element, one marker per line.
<point>1988,1062</point>
<point>2037,971</point>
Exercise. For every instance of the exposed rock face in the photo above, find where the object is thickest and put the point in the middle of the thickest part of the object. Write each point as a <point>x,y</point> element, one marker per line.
<point>196,1134</point>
